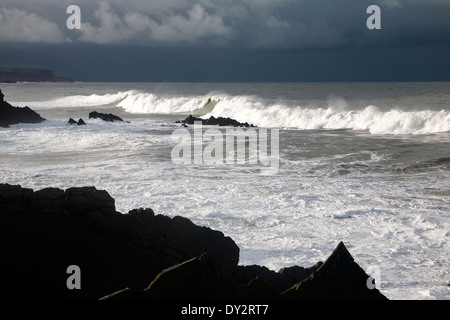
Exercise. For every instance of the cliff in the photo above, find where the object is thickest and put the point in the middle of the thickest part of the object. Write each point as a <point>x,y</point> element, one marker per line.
<point>12,75</point>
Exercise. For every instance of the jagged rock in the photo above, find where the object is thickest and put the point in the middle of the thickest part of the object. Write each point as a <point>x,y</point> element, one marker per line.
<point>281,280</point>
<point>105,117</point>
<point>10,115</point>
<point>212,121</point>
<point>80,122</point>
<point>338,278</point>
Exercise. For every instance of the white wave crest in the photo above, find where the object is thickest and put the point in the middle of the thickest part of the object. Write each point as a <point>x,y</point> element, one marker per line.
<point>265,113</point>
<point>371,118</point>
<point>141,102</point>
<point>73,101</point>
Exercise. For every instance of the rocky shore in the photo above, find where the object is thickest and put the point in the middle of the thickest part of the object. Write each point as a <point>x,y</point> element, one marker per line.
<point>144,256</point>
<point>10,115</point>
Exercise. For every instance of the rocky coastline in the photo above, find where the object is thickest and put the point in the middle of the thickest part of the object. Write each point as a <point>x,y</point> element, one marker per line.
<point>141,255</point>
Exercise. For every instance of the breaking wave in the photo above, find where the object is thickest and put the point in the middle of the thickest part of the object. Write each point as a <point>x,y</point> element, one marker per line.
<point>267,113</point>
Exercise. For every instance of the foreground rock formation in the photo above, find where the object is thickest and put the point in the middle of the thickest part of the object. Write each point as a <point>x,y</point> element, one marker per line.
<point>10,115</point>
<point>141,255</point>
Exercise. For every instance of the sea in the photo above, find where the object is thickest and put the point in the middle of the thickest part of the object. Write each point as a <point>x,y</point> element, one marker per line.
<point>367,164</point>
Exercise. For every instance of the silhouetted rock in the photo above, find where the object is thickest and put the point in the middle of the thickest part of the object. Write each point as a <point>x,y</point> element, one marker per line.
<point>281,280</point>
<point>81,122</point>
<point>71,121</point>
<point>105,117</point>
<point>338,278</point>
<point>212,121</point>
<point>141,255</point>
<point>44,232</point>
<point>10,115</point>
<point>198,278</point>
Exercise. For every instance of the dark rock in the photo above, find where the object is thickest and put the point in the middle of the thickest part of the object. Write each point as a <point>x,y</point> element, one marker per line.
<point>281,280</point>
<point>81,122</point>
<point>338,278</point>
<point>257,289</point>
<point>198,278</point>
<point>88,201</point>
<point>10,115</point>
<point>48,200</point>
<point>212,121</point>
<point>105,117</point>
<point>297,274</point>
<point>152,256</point>
<point>43,232</point>
<point>72,121</point>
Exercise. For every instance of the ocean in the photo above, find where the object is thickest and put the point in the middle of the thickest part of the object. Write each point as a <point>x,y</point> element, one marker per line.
<point>363,163</point>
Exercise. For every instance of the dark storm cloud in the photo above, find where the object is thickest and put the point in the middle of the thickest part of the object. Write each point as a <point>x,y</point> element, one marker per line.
<point>229,40</point>
<point>247,23</point>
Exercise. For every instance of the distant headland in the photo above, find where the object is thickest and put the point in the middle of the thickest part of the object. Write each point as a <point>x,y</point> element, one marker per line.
<point>13,75</point>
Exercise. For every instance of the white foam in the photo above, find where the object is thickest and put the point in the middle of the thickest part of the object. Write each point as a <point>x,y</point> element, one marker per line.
<point>371,118</point>
<point>141,102</point>
<point>75,101</point>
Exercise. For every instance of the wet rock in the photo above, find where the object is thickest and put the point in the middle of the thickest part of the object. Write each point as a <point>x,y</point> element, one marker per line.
<point>10,115</point>
<point>105,117</point>
<point>213,121</point>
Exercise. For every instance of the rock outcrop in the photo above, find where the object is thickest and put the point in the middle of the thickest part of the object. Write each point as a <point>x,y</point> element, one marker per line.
<point>10,115</point>
<point>338,278</point>
<point>79,123</point>
<point>104,116</point>
<point>213,121</point>
<point>141,255</point>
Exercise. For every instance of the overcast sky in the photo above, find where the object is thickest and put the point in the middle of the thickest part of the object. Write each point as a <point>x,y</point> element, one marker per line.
<point>229,40</point>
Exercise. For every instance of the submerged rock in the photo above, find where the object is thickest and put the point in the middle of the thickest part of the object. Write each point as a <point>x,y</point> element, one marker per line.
<point>10,115</point>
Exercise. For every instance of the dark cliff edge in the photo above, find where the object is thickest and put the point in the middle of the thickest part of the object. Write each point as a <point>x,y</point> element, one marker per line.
<point>13,75</point>
<point>143,256</point>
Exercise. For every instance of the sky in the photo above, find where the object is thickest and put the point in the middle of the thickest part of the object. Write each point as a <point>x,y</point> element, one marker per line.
<point>229,40</point>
